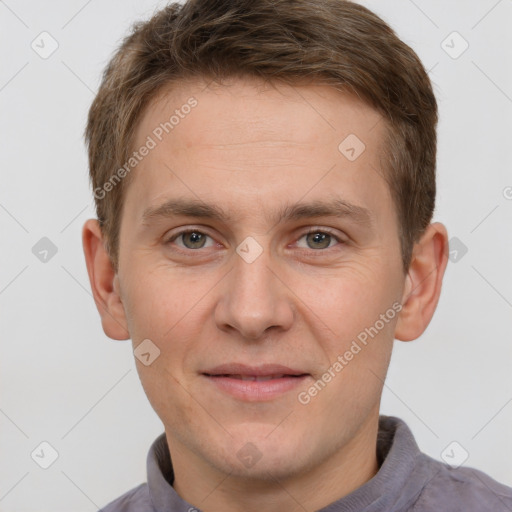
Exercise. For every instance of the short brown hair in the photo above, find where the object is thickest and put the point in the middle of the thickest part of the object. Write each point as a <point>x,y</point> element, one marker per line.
<point>333,42</point>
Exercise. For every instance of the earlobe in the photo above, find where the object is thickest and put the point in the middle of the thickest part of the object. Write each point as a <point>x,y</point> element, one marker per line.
<point>104,285</point>
<point>423,282</point>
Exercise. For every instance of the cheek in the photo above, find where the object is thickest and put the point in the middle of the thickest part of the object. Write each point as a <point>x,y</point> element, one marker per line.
<point>171,315</point>
<point>349,297</point>
<point>156,302</point>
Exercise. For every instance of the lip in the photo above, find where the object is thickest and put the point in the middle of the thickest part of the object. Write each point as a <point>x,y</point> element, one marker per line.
<point>279,380</point>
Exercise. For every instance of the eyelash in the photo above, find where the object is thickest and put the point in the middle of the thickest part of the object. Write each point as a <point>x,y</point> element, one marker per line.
<point>310,231</point>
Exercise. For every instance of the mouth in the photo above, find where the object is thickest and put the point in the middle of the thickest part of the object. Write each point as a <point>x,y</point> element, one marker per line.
<point>255,384</point>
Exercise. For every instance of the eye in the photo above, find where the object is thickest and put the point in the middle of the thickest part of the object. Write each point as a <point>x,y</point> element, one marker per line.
<point>191,239</point>
<point>318,240</point>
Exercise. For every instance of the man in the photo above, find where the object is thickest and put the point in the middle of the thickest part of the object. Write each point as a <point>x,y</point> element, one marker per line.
<point>264,176</point>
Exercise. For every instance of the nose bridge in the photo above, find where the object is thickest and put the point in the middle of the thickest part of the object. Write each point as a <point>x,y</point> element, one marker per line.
<point>252,281</point>
<point>253,299</point>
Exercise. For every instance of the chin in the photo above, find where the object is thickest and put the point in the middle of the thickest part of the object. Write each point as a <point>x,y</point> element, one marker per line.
<point>258,452</point>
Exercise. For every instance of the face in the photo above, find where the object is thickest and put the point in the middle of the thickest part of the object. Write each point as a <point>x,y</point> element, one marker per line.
<point>256,234</point>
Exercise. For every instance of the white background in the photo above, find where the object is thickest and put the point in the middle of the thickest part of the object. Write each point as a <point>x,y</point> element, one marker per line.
<point>63,381</point>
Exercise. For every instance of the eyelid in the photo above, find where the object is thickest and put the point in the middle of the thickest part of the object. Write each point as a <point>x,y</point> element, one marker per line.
<point>321,229</point>
<point>329,231</point>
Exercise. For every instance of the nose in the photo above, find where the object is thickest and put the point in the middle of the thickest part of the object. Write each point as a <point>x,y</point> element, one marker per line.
<point>254,299</point>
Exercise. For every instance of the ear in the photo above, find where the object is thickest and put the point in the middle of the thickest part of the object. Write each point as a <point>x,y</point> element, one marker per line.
<point>104,282</point>
<point>423,283</point>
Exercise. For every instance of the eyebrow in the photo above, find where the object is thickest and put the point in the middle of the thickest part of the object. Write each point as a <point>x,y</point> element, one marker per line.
<point>303,210</point>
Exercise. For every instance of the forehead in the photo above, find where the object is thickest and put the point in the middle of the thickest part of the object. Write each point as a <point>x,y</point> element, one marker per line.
<point>251,111</point>
<point>246,137</point>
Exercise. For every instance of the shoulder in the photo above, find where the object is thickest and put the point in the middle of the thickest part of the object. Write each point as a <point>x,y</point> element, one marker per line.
<point>461,489</point>
<point>135,500</point>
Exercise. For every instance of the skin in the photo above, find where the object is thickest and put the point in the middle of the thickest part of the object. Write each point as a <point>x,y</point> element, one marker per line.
<point>252,149</point>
